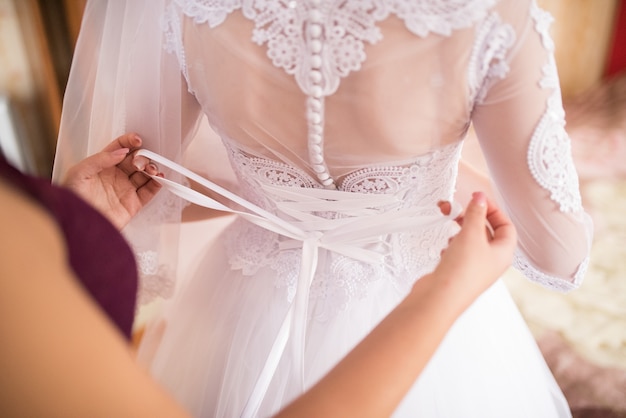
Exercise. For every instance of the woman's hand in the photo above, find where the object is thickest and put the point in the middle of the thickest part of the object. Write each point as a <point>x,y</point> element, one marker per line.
<point>478,255</point>
<point>113,180</point>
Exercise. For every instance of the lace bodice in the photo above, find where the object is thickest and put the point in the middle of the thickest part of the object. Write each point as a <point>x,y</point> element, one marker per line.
<point>416,185</point>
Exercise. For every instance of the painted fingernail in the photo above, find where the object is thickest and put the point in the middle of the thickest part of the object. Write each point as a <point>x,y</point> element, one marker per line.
<point>479,198</point>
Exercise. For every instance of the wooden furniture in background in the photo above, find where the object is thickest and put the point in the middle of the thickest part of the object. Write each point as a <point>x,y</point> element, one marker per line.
<point>583,32</point>
<point>37,38</point>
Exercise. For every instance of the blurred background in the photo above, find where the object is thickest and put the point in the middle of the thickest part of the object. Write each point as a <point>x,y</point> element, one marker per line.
<point>36,43</point>
<point>582,334</point>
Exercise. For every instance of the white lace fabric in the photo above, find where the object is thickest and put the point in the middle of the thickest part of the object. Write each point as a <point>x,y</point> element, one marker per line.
<point>416,187</point>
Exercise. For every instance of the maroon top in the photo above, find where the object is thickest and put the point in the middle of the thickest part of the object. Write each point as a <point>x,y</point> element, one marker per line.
<point>99,255</point>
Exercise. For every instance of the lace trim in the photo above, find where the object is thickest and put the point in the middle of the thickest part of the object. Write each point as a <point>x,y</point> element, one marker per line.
<point>334,31</point>
<point>521,263</point>
<point>154,280</point>
<point>156,274</point>
<point>549,151</point>
<point>332,289</point>
<point>488,61</point>
<point>174,39</point>
<point>425,180</point>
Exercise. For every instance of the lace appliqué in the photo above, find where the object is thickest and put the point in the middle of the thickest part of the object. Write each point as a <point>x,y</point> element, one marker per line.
<point>488,62</point>
<point>156,274</point>
<point>345,280</point>
<point>521,263</point>
<point>420,183</point>
<point>334,31</point>
<point>154,280</point>
<point>549,151</point>
<point>425,180</point>
<point>333,288</point>
<point>174,38</point>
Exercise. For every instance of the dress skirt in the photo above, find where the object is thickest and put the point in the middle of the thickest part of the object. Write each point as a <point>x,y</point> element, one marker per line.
<point>210,342</point>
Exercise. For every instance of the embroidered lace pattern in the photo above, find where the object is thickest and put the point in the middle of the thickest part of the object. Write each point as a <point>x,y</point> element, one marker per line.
<point>549,152</point>
<point>521,262</point>
<point>157,279</point>
<point>335,31</point>
<point>488,62</point>
<point>419,184</point>
<point>319,42</point>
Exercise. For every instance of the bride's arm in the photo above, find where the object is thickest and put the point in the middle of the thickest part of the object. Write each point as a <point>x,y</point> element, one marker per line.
<point>520,125</point>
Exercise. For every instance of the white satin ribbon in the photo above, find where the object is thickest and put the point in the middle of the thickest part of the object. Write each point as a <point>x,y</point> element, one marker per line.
<point>360,222</point>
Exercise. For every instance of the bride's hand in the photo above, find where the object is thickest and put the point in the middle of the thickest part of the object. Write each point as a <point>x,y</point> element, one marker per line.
<point>113,180</point>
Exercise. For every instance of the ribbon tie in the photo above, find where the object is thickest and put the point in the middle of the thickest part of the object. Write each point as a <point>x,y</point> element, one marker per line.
<point>359,220</point>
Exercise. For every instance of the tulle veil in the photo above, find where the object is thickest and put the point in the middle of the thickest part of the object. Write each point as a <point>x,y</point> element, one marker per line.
<point>123,79</point>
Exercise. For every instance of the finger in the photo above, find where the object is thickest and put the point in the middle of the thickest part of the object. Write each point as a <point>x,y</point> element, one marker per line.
<point>474,217</point>
<point>143,164</point>
<point>152,169</point>
<point>496,217</point>
<point>94,164</point>
<point>148,191</point>
<point>140,162</point>
<point>138,179</point>
<point>129,140</point>
<point>504,232</point>
<point>133,163</point>
<point>445,207</point>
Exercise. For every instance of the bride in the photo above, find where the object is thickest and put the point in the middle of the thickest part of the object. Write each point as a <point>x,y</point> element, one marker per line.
<point>343,122</point>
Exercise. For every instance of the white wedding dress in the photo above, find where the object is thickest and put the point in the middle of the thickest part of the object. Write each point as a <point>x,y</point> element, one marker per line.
<point>343,121</point>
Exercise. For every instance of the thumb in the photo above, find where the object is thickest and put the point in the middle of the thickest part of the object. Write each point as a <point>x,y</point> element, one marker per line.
<point>100,161</point>
<point>476,212</point>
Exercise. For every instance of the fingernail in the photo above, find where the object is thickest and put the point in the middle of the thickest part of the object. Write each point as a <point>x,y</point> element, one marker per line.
<point>121,151</point>
<point>152,168</point>
<point>479,198</point>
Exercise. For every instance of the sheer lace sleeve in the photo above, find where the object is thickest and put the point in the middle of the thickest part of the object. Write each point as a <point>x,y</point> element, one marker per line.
<point>520,125</point>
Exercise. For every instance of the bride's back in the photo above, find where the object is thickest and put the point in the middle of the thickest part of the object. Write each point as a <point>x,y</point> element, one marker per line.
<point>387,94</point>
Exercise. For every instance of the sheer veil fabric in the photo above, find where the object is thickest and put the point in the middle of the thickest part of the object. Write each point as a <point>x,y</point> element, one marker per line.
<point>123,80</point>
<point>335,115</point>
